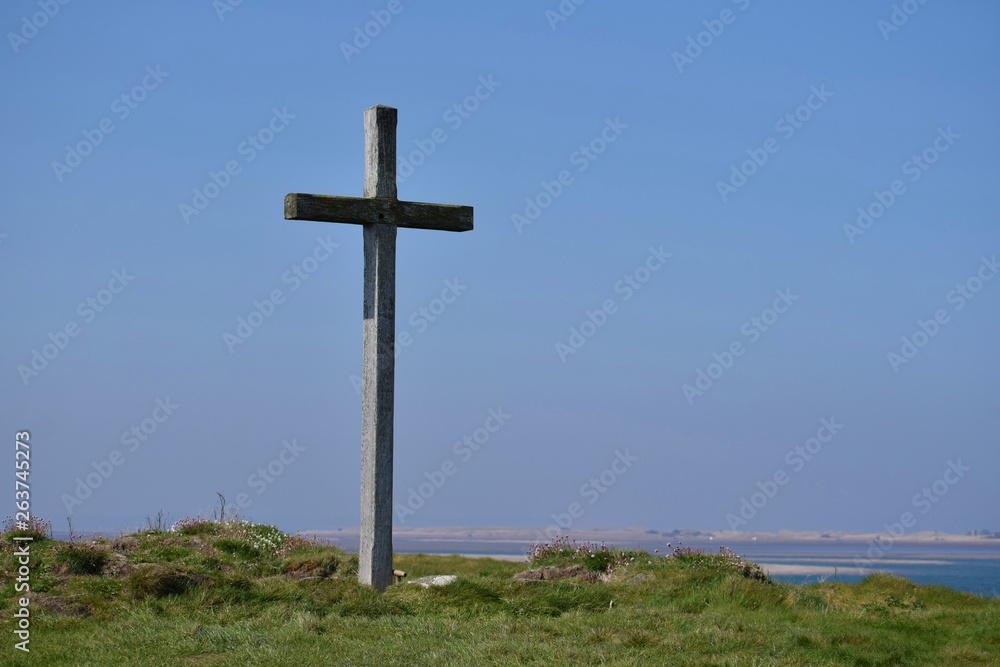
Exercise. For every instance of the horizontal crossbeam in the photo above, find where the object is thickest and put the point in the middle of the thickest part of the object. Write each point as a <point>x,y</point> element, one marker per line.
<point>372,210</point>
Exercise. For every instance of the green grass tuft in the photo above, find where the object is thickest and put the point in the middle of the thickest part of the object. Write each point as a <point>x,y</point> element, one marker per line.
<point>235,593</point>
<point>81,559</point>
<point>153,580</point>
<point>312,561</point>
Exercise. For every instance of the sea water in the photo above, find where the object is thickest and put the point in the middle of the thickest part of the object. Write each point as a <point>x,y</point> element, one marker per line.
<point>970,569</point>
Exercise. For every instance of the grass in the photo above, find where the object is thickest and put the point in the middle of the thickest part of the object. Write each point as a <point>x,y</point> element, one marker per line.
<point>235,593</point>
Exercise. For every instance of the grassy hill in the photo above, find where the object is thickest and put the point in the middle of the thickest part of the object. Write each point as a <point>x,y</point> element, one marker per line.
<point>235,593</point>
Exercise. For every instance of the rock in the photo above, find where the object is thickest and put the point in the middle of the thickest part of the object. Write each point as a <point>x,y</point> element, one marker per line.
<point>552,573</point>
<point>117,565</point>
<point>125,544</point>
<point>435,580</point>
<point>639,578</point>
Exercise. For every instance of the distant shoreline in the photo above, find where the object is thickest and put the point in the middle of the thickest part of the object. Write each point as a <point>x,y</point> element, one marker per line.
<point>502,533</point>
<point>506,541</point>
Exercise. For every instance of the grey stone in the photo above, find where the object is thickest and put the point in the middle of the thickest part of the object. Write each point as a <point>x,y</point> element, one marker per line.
<point>551,573</point>
<point>435,580</point>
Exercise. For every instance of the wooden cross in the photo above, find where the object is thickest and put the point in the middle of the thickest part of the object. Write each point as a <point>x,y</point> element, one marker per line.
<point>380,212</point>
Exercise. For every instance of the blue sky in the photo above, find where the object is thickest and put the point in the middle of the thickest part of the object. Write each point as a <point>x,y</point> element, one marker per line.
<point>670,314</point>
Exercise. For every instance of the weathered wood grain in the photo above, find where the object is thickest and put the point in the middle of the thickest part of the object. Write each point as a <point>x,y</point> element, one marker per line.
<point>378,395</point>
<point>381,213</point>
<point>380,152</point>
<point>362,211</point>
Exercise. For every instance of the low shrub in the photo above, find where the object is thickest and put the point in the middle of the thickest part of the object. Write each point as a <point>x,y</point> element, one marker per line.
<point>158,581</point>
<point>264,539</point>
<point>311,561</point>
<point>82,558</point>
<point>238,548</point>
<point>724,562</point>
<point>592,556</point>
<point>35,527</point>
<point>192,526</point>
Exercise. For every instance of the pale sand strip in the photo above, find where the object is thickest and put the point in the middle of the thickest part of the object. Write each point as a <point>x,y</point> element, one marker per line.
<point>780,569</point>
<point>849,561</point>
<point>792,569</point>
<point>810,570</point>
<point>631,536</point>
<point>507,557</point>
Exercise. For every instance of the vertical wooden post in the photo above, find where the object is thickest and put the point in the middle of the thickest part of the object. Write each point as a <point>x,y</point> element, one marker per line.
<point>375,558</point>
<point>381,213</point>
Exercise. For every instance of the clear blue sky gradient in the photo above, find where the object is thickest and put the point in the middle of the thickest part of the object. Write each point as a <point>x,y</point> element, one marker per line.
<point>682,127</point>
